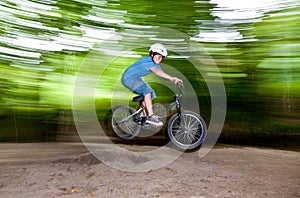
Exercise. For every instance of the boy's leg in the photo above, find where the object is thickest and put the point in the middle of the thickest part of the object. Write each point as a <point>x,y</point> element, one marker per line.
<point>151,119</point>
<point>148,104</point>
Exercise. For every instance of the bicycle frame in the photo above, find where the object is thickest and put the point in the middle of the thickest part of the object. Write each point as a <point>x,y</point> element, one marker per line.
<point>132,115</point>
<point>141,109</point>
<point>177,101</point>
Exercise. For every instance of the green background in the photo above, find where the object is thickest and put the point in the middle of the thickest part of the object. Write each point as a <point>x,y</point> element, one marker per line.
<point>44,43</point>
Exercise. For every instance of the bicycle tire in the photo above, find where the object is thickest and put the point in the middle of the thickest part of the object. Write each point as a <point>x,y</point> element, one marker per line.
<point>123,125</point>
<point>189,133</point>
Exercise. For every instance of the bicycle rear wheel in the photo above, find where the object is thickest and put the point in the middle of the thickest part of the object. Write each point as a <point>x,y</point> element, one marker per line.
<point>187,131</point>
<point>123,122</point>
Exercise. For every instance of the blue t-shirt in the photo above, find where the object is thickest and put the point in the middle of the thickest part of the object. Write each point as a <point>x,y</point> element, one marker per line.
<point>139,69</point>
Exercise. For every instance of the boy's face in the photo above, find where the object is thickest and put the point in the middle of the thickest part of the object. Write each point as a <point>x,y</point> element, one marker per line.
<point>157,58</point>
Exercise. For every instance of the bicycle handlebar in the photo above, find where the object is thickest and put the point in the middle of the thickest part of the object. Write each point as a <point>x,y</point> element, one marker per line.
<point>180,85</point>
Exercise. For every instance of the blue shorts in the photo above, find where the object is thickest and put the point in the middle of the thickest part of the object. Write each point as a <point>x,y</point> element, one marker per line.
<point>140,87</point>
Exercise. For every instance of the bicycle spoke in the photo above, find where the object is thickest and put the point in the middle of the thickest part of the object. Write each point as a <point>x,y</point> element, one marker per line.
<point>123,122</point>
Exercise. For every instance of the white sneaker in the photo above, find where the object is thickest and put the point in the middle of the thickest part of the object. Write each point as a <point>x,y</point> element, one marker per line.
<point>154,120</point>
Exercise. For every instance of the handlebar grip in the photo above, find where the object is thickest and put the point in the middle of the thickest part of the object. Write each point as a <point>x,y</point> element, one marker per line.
<point>179,85</point>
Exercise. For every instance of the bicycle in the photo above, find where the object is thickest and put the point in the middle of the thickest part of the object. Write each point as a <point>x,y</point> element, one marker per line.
<point>186,129</point>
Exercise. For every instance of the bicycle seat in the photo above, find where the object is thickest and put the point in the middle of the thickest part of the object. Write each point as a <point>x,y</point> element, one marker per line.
<point>139,98</point>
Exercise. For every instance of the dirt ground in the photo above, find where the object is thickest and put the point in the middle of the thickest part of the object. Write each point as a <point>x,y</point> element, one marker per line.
<point>69,170</point>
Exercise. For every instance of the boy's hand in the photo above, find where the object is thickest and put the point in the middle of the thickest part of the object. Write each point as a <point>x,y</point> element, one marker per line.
<point>176,80</point>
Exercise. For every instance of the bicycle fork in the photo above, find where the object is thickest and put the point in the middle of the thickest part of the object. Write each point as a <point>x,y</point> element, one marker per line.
<point>178,107</point>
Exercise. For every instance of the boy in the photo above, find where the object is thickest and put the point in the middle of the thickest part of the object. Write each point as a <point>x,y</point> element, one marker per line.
<point>132,78</point>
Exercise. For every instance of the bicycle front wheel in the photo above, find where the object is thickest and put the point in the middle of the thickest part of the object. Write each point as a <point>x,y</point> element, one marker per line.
<point>187,131</point>
<point>123,122</point>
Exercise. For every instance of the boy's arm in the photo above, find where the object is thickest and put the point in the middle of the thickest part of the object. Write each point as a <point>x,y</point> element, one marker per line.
<point>164,75</point>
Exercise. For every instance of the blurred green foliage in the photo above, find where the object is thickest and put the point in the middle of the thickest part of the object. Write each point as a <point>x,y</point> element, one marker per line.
<point>44,44</point>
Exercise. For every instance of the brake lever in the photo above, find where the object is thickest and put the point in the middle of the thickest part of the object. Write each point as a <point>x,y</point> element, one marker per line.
<point>180,85</point>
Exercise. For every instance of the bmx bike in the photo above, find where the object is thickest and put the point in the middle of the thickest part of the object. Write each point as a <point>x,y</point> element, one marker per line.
<point>186,129</point>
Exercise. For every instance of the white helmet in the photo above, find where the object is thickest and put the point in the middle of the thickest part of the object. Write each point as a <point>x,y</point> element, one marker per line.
<point>159,48</point>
